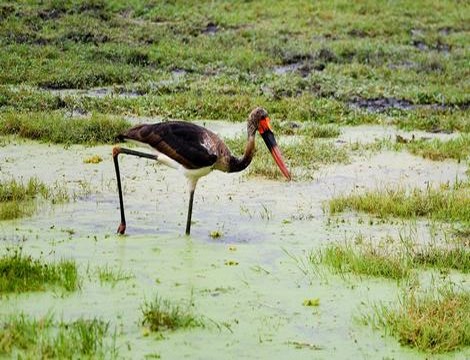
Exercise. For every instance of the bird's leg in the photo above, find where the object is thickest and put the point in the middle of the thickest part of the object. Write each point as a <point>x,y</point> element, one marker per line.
<point>192,188</point>
<point>122,226</point>
<point>116,151</point>
<point>190,211</point>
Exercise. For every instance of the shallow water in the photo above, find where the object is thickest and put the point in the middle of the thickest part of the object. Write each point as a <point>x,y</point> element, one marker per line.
<point>265,224</point>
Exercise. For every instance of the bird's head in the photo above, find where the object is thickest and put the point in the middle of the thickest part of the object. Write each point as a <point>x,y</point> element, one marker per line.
<point>259,121</point>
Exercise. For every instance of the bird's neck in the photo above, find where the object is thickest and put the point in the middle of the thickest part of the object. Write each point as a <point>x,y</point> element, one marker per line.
<point>239,164</point>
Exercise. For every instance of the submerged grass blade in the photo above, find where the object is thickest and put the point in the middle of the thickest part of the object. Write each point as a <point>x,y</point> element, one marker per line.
<point>107,274</point>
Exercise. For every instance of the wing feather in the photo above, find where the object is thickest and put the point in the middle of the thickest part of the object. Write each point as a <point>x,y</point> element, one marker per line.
<point>189,144</point>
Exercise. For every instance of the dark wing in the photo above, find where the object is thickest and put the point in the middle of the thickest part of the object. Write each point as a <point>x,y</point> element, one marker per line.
<point>187,143</point>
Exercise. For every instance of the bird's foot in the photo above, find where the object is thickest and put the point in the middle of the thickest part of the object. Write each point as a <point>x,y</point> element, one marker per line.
<point>122,228</point>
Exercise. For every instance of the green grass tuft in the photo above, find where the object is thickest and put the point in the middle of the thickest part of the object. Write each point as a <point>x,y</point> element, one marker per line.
<point>364,260</point>
<point>21,273</point>
<point>446,203</point>
<point>306,155</point>
<point>434,322</point>
<point>106,274</point>
<point>311,130</point>
<point>392,259</point>
<point>458,148</point>
<point>47,339</point>
<point>457,258</point>
<point>58,128</point>
<point>161,314</point>
<point>18,199</point>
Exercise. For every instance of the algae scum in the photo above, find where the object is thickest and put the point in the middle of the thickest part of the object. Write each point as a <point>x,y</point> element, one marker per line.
<point>245,284</point>
<point>364,255</point>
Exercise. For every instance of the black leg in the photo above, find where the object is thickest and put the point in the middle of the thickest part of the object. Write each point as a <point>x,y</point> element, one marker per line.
<point>122,226</point>
<point>116,151</point>
<point>190,211</point>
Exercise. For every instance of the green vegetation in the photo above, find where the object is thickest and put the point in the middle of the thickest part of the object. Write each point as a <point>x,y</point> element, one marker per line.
<point>392,260</point>
<point>161,314</point>
<point>365,260</point>
<point>433,149</point>
<point>17,198</point>
<point>462,236</point>
<point>112,276</point>
<point>312,130</point>
<point>306,154</point>
<point>457,258</point>
<point>331,62</point>
<point>435,321</point>
<point>57,127</point>
<point>458,148</point>
<point>20,273</point>
<point>45,338</point>
<point>448,203</point>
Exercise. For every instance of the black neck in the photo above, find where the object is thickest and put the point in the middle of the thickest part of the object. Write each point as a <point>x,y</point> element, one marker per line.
<point>239,164</point>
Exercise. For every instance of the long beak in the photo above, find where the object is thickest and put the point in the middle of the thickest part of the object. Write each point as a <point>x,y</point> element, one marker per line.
<point>270,141</point>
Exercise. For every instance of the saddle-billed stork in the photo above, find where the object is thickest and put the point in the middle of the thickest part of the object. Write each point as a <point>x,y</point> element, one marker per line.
<point>195,151</point>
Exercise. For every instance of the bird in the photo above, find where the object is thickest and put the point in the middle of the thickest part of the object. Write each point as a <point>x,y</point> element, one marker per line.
<point>195,151</point>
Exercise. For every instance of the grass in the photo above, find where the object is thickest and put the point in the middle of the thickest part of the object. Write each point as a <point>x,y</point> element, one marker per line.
<point>447,203</point>
<point>56,127</point>
<point>217,60</point>
<point>390,259</point>
<point>432,149</point>
<point>367,261</point>
<point>457,258</point>
<point>160,315</point>
<point>462,236</point>
<point>434,321</point>
<point>305,155</point>
<point>312,130</point>
<point>112,276</point>
<point>17,199</point>
<point>21,273</point>
<point>25,337</point>
<point>457,149</point>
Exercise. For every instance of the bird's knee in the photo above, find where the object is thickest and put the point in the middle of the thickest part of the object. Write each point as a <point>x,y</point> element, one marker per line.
<point>116,151</point>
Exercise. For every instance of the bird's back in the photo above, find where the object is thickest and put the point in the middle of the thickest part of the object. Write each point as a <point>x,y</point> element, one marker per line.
<point>191,145</point>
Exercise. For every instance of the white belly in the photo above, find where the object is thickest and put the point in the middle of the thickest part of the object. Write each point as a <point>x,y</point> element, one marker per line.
<point>192,175</point>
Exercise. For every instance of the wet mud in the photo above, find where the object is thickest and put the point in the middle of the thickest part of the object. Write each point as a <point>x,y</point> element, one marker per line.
<point>381,105</point>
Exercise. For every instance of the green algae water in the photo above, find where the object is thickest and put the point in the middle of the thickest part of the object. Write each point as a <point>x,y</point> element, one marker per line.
<point>249,284</point>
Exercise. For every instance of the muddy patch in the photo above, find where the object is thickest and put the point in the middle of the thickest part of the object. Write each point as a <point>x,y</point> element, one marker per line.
<point>211,29</point>
<point>419,42</point>
<point>407,65</point>
<point>366,134</point>
<point>95,92</point>
<point>381,105</point>
<point>304,64</point>
<point>438,46</point>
